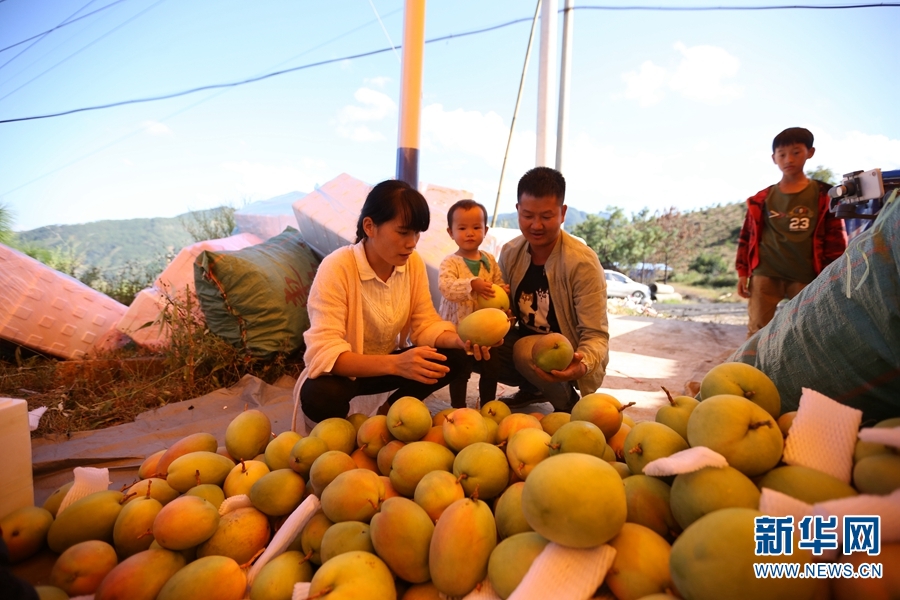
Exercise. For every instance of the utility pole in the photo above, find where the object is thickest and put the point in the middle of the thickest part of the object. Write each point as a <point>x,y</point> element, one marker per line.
<point>411,92</point>
<point>546,80</point>
<point>565,83</point>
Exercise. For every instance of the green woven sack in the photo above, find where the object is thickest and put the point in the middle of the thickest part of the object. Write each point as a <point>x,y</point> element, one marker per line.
<point>255,298</point>
<point>841,335</point>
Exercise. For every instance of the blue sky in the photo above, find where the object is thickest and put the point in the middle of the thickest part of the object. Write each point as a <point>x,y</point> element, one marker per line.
<point>667,108</point>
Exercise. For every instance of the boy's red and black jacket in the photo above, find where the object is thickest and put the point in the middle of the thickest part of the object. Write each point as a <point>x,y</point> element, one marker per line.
<point>829,237</point>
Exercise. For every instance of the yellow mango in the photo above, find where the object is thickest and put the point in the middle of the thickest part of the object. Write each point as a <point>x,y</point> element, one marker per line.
<point>511,560</point>
<point>401,534</point>
<point>352,576</point>
<point>240,535</point>
<point>185,522</point>
<point>80,568</point>
<point>133,531</point>
<point>346,536</point>
<point>196,468</point>
<point>461,546</point>
<point>196,442</point>
<point>248,434</point>
<point>52,503</point>
<point>210,578</point>
<point>25,531</point>
<point>275,581</point>
<point>90,518</point>
<point>141,576</point>
<point>278,493</point>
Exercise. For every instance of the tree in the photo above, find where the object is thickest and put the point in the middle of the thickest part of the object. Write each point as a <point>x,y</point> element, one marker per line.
<point>675,232</point>
<point>822,174</point>
<point>6,224</point>
<point>605,236</point>
<point>210,224</point>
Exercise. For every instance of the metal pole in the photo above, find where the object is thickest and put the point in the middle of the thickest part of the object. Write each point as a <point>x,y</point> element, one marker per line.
<point>565,82</point>
<point>512,125</point>
<point>411,92</point>
<point>546,80</point>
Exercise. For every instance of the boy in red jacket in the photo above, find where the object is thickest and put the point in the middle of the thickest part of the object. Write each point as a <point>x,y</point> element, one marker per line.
<point>789,235</point>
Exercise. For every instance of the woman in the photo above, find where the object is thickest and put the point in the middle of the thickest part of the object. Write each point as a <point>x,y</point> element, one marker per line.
<point>373,327</point>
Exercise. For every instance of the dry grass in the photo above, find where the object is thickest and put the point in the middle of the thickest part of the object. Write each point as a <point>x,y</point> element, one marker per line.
<point>116,387</point>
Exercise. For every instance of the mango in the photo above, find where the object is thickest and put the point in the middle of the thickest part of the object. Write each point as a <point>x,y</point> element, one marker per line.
<point>577,436</point>
<point>706,490</point>
<point>311,535</point>
<point>153,487</point>
<point>275,581</point>
<point>878,474</point>
<point>513,423</point>
<point>373,435</point>
<point>248,434</point>
<point>745,381</point>
<point>621,468</point>
<point>210,578</point>
<point>52,503</point>
<point>90,518</point>
<point>150,466</point>
<point>527,448</point>
<point>483,469</point>
<point>413,461</point>
<point>809,485</point>
<point>464,426</point>
<point>354,495</point>
<point>278,493</point>
<point>81,567</point>
<point>401,535</point>
<point>196,442</point>
<point>345,536</point>
<point>511,559</point>
<point>648,441</point>
<point>886,587</point>
<point>495,410</point>
<point>385,458</point>
<point>196,468</point>
<point>241,534</point>
<point>49,592</point>
<point>617,443</point>
<point>353,575</point>
<point>741,431</point>
<point>485,327</point>
<point>188,554</point>
<point>185,522</point>
<point>676,413</point>
<point>24,531</point>
<point>552,422</point>
<point>133,531</point>
<point>602,410</point>
<point>575,500</point>
<point>438,419</point>
<point>422,591</point>
<point>461,547</point>
<point>713,559</point>
<point>209,492</point>
<point>304,454</point>
<point>338,434</point>
<point>278,451</point>
<point>436,491</point>
<point>785,421</point>
<point>141,576</point>
<point>508,512</point>
<point>648,500</point>
<point>552,352</point>
<point>242,477</point>
<point>641,566</point>
<point>408,419</point>
<point>363,461</point>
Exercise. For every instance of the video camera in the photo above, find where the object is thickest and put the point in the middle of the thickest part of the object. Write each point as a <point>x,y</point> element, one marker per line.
<point>850,199</point>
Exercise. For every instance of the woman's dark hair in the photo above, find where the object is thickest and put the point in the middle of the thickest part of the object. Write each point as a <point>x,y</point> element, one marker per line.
<point>467,204</point>
<point>391,198</point>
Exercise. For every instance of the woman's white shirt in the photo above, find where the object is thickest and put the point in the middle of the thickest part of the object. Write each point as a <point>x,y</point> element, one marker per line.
<point>386,305</point>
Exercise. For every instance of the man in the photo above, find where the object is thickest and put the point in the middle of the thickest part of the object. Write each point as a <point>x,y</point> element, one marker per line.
<point>557,285</point>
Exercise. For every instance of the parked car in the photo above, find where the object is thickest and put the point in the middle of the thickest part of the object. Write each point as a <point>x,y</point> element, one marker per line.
<point>622,286</point>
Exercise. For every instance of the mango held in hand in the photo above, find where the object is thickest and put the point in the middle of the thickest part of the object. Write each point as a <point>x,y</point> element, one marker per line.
<point>552,352</point>
<point>485,327</point>
<point>499,301</point>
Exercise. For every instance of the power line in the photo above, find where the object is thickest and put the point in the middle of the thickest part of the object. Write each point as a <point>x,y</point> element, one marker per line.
<point>432,41</point>
<point>60,25</point>
<point>85,47</point>
<point>43,35</point>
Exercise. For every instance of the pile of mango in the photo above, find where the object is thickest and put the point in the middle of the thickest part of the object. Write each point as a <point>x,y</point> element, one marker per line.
<point>414,505</point>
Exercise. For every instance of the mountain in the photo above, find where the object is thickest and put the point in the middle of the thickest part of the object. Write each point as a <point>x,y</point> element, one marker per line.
<point>573,218</point>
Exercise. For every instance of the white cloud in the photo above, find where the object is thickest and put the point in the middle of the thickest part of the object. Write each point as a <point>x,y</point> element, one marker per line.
<point>700,75</point>
<point>647,86</point>
<point>156,128</point>
<point>468,131</point>
<point>378,82</point>
<point>262,181</point>
<point>854,151</point>
<point>372,106</point>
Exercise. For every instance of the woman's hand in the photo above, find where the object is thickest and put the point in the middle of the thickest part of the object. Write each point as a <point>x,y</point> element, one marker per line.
<point>576,370</point>
<point>422,364</point>
<point>479,352</point>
